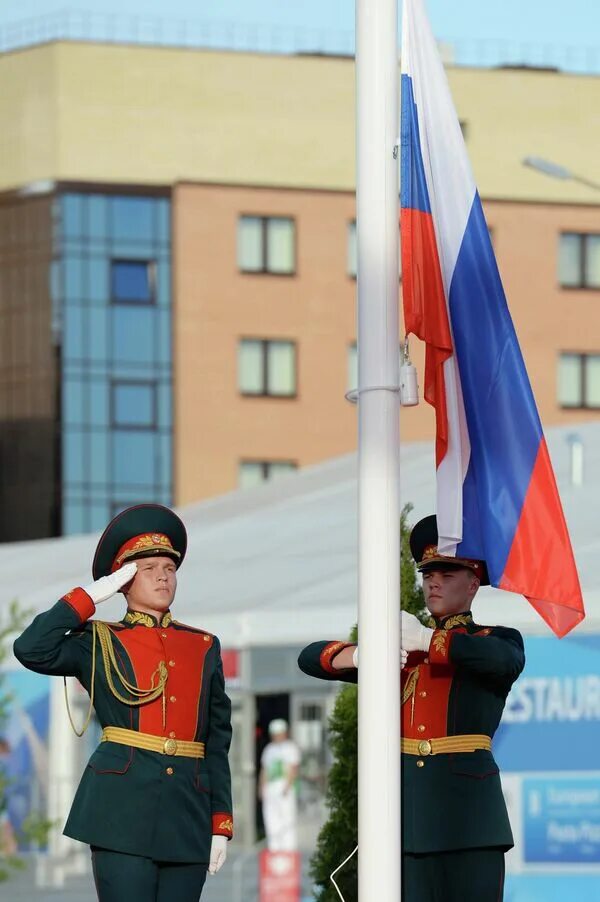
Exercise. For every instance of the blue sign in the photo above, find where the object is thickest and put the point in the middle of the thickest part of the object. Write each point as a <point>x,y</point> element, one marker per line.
<point>552,717</point>
<point>561,820</point>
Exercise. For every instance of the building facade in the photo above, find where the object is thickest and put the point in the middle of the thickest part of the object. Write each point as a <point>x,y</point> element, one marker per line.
<point>178,267</point>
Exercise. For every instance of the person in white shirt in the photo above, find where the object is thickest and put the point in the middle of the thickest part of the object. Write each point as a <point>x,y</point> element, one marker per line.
<point>277,788</point>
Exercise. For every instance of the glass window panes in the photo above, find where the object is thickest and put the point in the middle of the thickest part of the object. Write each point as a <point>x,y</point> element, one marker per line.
<point>132,218</point>
<point>134,404</point>
<point>115,326</point>
<point>569,260</point>
<point>97,218</point>
<point>591,275</point>
<point>592,380</point>
<point>352,366</point>
<point>250,474</point>
<point>72,215</point>
<point>280,245</point>
<point>352,249</point>
<point>278,468</point>
<point>251,367</point>
<point>281,368</point>
<point>569,381</point>
<point>254,472</point>
<point>73,279</point>
<point>133,458</point>
<point>132,282</point>
<point>250,250</point>
<point>133,335</point>
<point>97,280</point>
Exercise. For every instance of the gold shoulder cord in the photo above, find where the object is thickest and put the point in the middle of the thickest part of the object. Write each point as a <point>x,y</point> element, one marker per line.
<point>409,691</point>
<point>102,631</point>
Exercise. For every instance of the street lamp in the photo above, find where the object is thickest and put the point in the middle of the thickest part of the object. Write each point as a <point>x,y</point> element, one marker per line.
<point>558,172</point>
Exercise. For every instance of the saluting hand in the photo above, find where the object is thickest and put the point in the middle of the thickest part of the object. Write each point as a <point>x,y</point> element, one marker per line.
<point>106,586</point>
<point>414,636</point>
<point>218,853</point>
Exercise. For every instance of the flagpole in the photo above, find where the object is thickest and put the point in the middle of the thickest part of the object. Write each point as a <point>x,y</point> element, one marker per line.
<point>377,79</point>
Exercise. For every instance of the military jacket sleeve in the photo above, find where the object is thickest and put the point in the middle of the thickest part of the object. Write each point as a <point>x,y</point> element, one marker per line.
<point>217,748</point>
<point>54,642</point>
<point>493,652</point>
<point>316,660</point>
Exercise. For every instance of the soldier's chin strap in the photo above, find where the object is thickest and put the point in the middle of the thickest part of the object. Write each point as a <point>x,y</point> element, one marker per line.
<point>158,679</point>
<point>339,867</point>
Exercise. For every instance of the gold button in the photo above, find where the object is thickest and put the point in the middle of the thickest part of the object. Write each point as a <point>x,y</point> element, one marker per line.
<point>171,663</point>
<point>172,734</point>
<point>172,698</point>
<point>423,694</point>
<point>164,635</point>
<point>420,763</point>
<point>421,728</point>
<point>426,661</point>
<point>170,771</point>
<point>424,747</point>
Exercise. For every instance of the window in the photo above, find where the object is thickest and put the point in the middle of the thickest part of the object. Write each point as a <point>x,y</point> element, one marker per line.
<point>351,244</point>
<point>255,472</point>
<point>133,405</point>
<point>352,366</point>
<point>579,380</point>
<point>132,281</point>
<point>267,367</point>
<point>579,260</point>
<point>266,244</point>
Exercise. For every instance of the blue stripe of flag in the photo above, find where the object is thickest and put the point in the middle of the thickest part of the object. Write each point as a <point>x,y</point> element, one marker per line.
<point>502,418</point>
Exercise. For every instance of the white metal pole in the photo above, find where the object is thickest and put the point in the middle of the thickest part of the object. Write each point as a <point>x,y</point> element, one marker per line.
<point>377,79</point>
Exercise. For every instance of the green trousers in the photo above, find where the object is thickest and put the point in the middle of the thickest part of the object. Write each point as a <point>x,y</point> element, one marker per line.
<point>131,878</point>
<point>470,875</point>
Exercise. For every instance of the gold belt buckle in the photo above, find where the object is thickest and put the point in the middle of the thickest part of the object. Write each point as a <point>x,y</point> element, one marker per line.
<point>425,747</point>
<point>170,747</point>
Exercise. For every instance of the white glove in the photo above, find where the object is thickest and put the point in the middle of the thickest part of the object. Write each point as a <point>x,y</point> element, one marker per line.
<point>403,657</point>
<point>106,586</point>
<point>415,636</point>
<point>218,853</point>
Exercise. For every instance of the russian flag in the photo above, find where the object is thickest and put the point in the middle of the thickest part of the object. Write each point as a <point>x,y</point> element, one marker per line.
<point>496,493</point>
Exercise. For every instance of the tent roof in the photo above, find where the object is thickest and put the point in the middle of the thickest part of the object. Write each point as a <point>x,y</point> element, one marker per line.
<point>277,564</point>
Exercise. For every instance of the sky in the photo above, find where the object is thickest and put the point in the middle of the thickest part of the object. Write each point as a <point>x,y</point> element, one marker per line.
<point>539,24</point>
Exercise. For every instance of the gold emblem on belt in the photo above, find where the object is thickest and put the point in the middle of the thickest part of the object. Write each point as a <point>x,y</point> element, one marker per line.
<point>170,747</point>
<point>425,747</point>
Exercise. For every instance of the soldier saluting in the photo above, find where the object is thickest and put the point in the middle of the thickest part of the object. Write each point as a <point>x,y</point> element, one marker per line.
<point>154,802</point>
<point>455,680</point>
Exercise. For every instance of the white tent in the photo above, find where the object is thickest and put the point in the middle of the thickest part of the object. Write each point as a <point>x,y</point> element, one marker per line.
<point>277,564</point>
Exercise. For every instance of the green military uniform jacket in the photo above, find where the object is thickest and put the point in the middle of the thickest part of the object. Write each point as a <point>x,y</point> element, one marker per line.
<point>160,806</point>
<point>459,687</point>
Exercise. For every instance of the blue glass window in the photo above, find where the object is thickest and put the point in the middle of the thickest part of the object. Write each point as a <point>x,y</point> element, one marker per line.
<point>134,405</point>
<point>73,279</point>
<point>133,335</point>
<point>97,218</point>
<point>133,218</point>
<point>133,458</point>
<point>132,282</point>
<point>72,216</point>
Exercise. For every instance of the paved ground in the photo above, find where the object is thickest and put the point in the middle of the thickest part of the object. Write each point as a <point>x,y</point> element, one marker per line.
<point>237,882</point>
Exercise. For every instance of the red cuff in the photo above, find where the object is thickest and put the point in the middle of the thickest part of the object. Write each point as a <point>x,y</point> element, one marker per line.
<point>222,824</point>
<point>328,654</point>
<point>81,603</point>
<point>439,649</point>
